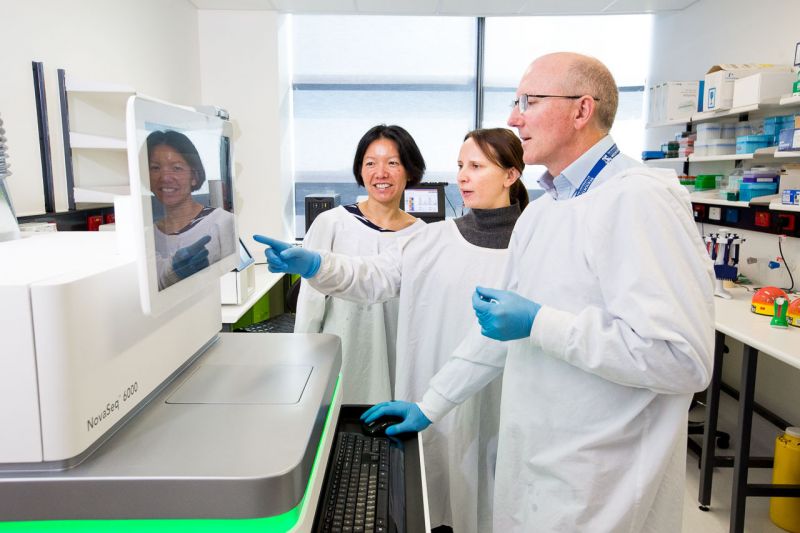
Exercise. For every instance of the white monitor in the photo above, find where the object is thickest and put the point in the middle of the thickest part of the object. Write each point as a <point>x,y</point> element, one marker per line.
<point>184,223</point>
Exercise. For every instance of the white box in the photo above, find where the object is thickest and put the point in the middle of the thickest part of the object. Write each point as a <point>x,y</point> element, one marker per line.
<point>678,100</point>
<point>237,286</point>
<point>720,79</point>
<point>790,178</point>
<point>758,88</point>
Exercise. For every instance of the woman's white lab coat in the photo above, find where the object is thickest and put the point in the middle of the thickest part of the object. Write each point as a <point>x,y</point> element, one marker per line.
<point>368,331</point>
<point>594,406</point>
<point>435,272</point>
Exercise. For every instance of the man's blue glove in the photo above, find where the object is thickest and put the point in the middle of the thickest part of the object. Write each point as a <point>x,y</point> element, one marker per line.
<point>285,257</point>
<point>504,315</point>
<point>192,258</point>
<point>413,419</point>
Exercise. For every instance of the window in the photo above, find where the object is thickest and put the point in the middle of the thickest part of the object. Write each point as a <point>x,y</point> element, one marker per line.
<point>622,42</point>
<point>352,72</point>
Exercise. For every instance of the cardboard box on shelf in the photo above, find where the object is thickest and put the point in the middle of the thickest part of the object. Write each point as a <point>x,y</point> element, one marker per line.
<point>761,87</point>
<point>720,79</point>
<point>673,100</point>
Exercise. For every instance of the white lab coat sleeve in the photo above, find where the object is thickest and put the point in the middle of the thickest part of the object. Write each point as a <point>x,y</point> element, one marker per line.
<point>473,364</point>
<point>368,280</point>
<point>311,302</point>
<point>656,330</point>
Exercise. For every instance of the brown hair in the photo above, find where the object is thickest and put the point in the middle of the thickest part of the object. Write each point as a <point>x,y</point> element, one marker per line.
<point>504,149</point>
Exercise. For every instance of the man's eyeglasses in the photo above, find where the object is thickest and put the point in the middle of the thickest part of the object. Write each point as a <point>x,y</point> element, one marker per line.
<point>523,102</point>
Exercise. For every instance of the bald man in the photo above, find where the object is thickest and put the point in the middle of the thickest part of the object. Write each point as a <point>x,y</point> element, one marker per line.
<point>603,328</point>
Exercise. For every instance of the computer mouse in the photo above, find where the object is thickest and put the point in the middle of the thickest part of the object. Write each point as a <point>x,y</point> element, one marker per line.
<point>377,428</point>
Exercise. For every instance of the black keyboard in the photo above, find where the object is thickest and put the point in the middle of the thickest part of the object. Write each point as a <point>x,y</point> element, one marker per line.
<point>365,490</point>
<point>280,324</point>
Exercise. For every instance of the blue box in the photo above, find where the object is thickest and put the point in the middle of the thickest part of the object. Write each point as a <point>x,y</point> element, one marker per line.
<point>791,197</point>
<point>786,140</point>
<point>748,191</point>
<point>747,144</point>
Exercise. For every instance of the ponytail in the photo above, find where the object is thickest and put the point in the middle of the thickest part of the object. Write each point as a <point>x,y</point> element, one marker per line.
<point>518,193</point>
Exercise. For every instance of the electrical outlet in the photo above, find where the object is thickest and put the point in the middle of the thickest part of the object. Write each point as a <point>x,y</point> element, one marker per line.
<point>714,213</point>
<point>786,222</point>
<point>761,219</point>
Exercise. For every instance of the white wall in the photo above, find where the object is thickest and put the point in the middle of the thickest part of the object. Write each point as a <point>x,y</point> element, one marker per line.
<point>685,45</point>
<point>244,68</point>
<point>150,45</point>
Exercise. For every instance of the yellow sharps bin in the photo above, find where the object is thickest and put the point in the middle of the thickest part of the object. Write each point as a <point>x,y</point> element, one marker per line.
<point>785,512</point>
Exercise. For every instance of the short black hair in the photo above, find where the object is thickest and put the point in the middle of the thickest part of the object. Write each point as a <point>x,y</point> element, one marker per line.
<point>410,156</point>
<point>184,146</point>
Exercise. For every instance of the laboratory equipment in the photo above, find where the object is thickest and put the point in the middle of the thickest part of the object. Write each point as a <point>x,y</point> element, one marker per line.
<point>121,403</point>
<point>781,306</point>
<point>793,313</point>
<point>763,301</point>
<point>723,247</point>
<point>9,229</point>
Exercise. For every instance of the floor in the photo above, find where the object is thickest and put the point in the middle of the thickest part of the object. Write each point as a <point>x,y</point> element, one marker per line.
<point>717,518</point>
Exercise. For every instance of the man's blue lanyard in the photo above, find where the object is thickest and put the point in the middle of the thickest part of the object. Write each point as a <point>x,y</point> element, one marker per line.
<point>610,154</point>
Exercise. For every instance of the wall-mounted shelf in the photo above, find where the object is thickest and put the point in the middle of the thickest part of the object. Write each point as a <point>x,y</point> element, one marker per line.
<point>102,195</point>
<point>790,100</point>
<point>95,149</point>
<point>677,122</point>
<point>81,86</point>
<point>712,198</point>
<point>95,142</point>
<point>776,205</point>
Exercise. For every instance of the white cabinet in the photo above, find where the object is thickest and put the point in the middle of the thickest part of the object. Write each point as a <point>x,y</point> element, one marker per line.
<point>95,150</point>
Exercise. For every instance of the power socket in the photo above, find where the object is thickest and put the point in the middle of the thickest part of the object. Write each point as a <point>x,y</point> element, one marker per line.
<point>714,213</point>
<point>786,222</point>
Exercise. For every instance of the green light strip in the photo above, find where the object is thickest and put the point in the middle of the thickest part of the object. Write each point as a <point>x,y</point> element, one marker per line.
<point>273,524</point>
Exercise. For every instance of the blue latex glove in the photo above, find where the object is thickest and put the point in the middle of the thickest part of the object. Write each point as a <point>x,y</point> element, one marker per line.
<point>192,258</point>
<point>285,257</point>
<point>413,419</point>
<point>504,315</point>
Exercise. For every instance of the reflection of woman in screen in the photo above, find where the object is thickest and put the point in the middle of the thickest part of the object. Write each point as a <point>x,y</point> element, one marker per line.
<point>189,236</point>
<point>386,161</point>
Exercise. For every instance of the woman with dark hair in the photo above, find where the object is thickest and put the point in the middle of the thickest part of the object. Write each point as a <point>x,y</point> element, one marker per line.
<point>386,161</point>
<point>434,272</point>
<point>189,236</point>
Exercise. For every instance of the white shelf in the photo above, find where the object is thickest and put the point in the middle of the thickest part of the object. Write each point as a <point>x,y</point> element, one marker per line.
<point>776,205</point>
<point>711,115</point>
<point>676,122</point>
<point>790,100</point>
<point>712,197</point>
<point>731,157</point>
<point>95,142</point>
<point>100,194</point>
<point>788,155</point>
<point>78,86</point>
<point>668,160</point>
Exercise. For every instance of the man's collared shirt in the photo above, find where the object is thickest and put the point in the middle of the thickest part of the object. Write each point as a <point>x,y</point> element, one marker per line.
<point>565,184</point>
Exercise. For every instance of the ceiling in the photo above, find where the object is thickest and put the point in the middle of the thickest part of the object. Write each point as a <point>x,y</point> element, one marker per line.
<point>450,7</point>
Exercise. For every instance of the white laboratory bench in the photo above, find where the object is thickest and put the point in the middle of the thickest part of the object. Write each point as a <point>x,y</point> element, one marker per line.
<point>265,280</point>
<point>734,319</point>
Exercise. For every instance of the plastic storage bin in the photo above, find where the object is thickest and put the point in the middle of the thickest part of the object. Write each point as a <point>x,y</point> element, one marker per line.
<point>761,175</point>
<point>785,512</point>
<point>716,147</point>
<point>748,144</point>
<point>748,191</point>
<point>705,182</point>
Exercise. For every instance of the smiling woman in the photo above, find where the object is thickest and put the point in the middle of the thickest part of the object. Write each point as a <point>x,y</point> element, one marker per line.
<point>386,161</point>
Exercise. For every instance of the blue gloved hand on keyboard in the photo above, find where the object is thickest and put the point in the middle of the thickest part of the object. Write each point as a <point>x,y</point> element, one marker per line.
<point>413,418</point>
